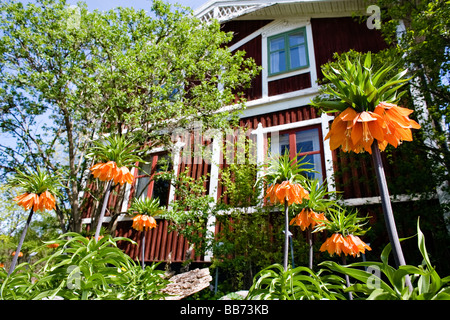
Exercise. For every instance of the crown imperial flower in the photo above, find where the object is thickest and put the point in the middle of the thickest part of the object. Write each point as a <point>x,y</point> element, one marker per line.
<point>143,222</point>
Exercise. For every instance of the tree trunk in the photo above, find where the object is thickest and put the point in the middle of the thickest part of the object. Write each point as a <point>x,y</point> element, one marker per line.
<point>60,215</point>
<point>73,184</point>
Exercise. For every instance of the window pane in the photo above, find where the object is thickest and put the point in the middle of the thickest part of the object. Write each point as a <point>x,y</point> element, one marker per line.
<point>143,182</point>
<point>161,191</point>
<point>298,57</point>
<point>296,39</point>
<point>304,146</point>
<point>284,143</point>
<point>308,141</point>
<point>315,163</point>
<point>276,44</point>
<point>308,138</point>
<point>277,62</point>
<point>161,187</point>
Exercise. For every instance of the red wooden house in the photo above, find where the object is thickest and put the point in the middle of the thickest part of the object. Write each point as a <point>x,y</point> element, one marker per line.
<point>290,40</point>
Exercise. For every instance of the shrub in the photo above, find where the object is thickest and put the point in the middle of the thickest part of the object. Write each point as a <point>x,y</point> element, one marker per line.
<point>426,283</point>
<point>84,269</point>
<point>301,283</point>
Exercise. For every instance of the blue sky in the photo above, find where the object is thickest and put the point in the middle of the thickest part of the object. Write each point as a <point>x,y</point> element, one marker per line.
<point>138,4</point>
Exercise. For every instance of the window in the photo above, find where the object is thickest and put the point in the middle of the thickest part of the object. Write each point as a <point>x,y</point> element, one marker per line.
<point>307,142</point>
<point>149,184</point>
<point>287,52</point>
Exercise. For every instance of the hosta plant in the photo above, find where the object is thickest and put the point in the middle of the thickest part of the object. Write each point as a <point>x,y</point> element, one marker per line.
<point>84,269</point>
<point>426,283</point>
<point>301,283</point>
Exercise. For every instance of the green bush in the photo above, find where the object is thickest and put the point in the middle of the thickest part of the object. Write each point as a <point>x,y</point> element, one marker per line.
<point>301,283</point>
<point>374,281</point>
<point>425,282</point>
<point>83,269</point>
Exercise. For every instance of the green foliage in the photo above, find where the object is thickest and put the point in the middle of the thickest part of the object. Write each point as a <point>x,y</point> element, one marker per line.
<point>320,199</point>
<point>301,283</point>
<point>20,285</point>
<point>97,72</point>
<point>427,284</point>
<point>389,283</point>
<point>343,221</point>
<point>11,215</point>
<point>83,269</point>
<point>36,181</point>
<point>358,85</point>
<point>145,206</point>
<point>422,46</point>
<point>281,168</point>
<point>191,209</point>
<point>118,148</point>
<point>247,242</point>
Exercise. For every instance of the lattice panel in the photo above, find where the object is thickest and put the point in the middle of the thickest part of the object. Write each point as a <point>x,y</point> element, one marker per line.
<point>222,13</point>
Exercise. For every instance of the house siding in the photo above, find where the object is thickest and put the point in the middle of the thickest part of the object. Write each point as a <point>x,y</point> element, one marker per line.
<point>340,35</point>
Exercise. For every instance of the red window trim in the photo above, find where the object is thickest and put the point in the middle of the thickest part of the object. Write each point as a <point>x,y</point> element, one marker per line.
<point>292,142</point>
<point>155,157</point>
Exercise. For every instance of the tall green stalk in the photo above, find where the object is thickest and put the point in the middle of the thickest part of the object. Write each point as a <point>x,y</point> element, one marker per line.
<point>286,235</point>
<point>19,246</point>
<point>387,210</point>
<point>109,187</point>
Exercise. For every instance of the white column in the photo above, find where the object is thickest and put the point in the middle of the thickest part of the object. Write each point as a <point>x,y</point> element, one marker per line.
<point>213,189</point>
<point>259,152</point>
<point>328,155</point>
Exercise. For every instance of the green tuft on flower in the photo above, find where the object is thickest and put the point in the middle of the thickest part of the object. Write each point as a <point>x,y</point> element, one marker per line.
<point>144,211</point>
<point>39,187</point>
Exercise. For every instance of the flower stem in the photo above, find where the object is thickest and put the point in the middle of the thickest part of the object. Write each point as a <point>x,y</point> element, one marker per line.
<point>286,235</point>
<point>347,279</point>
<point>143,249</point>
<point>310,243</point>
<point>387,210</point>
<point>102,213</point>
<point>19,247</point>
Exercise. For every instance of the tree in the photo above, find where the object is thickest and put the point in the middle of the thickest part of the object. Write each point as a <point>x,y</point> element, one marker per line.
<point>420,32</point>
<point>99,72</point>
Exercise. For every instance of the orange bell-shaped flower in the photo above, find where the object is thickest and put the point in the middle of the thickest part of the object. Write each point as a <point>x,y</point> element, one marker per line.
<point>349,245</point>
<point>358,246</point>
<point>398,123</point>
<point>356,131</point>
<point>104,171</point>
<point>46,201</point>
<point>143,222</point>
<point>28,200</point>
<point>308,218</point>
<point>123,175</point>
<point>336,244</point>
<point>287,191</point>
